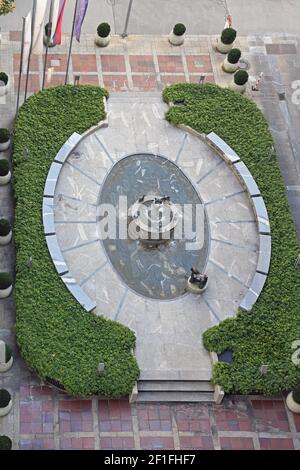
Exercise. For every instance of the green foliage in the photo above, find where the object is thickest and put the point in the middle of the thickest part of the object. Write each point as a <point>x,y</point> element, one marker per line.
<point>264,335</point>
<point>6,6</point>
<point>296,394</point>
<point>241,77</point>
<point>4,135</point>
<point>4,227</point>
<point>57,338</point>
<point>103,30</point>
<point>4,167</point>
<point>5,443</point>
<point>4,398</point>
<point>234,56</point>
<point>3,77</point>
<point>6,280</point>
<point>228,35</point>
<point>179,29</point>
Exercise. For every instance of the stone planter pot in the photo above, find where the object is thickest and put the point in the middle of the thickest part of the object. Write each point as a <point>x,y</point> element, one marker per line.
<point>4,89</point>
<point>4,411</point>
<point>5,292</point>
<point>5,239</point>
<point>102,42</point>
<point>239,88</point>
<point>224,48</point>
<point>228,67</point>
<point>7,365</point>
<point>176,40</point>
<point>4,146</point>
<point>291,404</point>
<point>194,289</point>
<point>5,179</point>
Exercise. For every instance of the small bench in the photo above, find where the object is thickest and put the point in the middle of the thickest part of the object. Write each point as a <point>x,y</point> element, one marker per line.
<point>48,215</point>
<point>261,215</point>
<point>78,293</point>
<point>67,148</point>
<point>226,152</point>
<point>52,178</point>
<point>245,177</point>
<point>254,291</point>
<point>56,254</point>
<point>264,256</point>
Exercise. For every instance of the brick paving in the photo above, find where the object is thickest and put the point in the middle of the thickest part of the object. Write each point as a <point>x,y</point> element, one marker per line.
<point>41,418</point>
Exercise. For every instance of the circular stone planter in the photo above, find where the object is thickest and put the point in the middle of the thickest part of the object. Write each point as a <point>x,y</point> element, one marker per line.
<point>5,179</point>
<point>239,88</point>
<point>4,364</point>
<point>176,40</point>
<point>4,146</point>
<point>292,404</point>
<point>194,289</point>
<point>229,67</point>
<point>5,239</point>
<point>5,292</point>
<point>6,409</point>
<point>102,42</point>
<point>7,365</point>
<point>223,48</point>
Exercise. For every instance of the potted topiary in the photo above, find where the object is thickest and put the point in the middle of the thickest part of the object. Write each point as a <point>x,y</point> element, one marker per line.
<point>47,40</point>
<point>231,62</point>
<point>5,443</point>
<point>5,174</point>
<point>5,402</point>
<point>4,83</point>
<point>240,79</point>
<point>103,35</point>
<point>5,232</point>
<point>6,281</point>
<point>293,400</point>
<point>225,42</point>
<point>177,35</point>
<point>4,139</point>
<point>6,6</point>
<point>6,357</point>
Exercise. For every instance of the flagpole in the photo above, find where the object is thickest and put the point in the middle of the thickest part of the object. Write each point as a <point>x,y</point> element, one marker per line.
<point>71,43</point>
<point>48,40</point>
<point>30,50</point>
<point>21,64</point>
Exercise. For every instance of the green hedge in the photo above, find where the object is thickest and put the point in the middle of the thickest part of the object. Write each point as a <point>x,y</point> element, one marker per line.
<point>57,338</point>
<point>265,335</point>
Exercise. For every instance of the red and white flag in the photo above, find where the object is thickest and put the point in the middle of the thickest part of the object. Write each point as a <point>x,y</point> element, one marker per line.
<point>58,28</point>
<point>55,14</point>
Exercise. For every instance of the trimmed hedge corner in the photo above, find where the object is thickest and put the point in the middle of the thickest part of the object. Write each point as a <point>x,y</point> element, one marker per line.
<point>266,334</point>
<point>57,338</point>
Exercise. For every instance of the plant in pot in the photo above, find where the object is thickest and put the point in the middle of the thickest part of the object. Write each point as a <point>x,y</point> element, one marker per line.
<point>231,62</point>
<point>47,34</point>
<point>240,79</point>
<point>103,35</point>
<point>4,83</point>
<point>225,42</point>
<point>4,139</point>
<point>293,399</point>
<point>6,357</point>
<point>5,174</point>
<point>177,35</point>
<point>5,232</point>
<point>5,443</point>
<point>7,6</point>
<point>5,402</point>
<point>6,281</point>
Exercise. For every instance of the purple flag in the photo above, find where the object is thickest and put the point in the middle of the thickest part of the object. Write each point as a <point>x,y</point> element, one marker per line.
<point>80,15</point>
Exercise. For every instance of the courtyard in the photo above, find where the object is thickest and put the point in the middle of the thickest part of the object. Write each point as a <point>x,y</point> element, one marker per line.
<point>145,327</point>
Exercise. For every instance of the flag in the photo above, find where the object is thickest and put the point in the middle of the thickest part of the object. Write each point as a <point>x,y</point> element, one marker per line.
<point>57,36</point>
<point>80,15</point>
<point>27,41</point>
<point>38,27</point>
<point>56,5</point>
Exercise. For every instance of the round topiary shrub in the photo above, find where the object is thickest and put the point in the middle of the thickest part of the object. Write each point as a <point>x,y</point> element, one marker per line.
<point>5,443</point>
<point>103,30</point>
<point>228,35</point>
<point>4,167</point>
<point>4,227</point>
<point>241,77</point>
<point>296,394</point>
<point>3,77</point>
<point>6,280</point>
<point>4,135</point>
<point>234,56</point>
<point>179,29</point>
<point>5,398</point>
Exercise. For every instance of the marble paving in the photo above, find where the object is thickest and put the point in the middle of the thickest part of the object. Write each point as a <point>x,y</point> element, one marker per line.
<point>169,344</point>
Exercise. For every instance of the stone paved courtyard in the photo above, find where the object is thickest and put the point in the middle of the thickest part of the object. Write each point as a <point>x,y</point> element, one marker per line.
<point>43,419</point>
